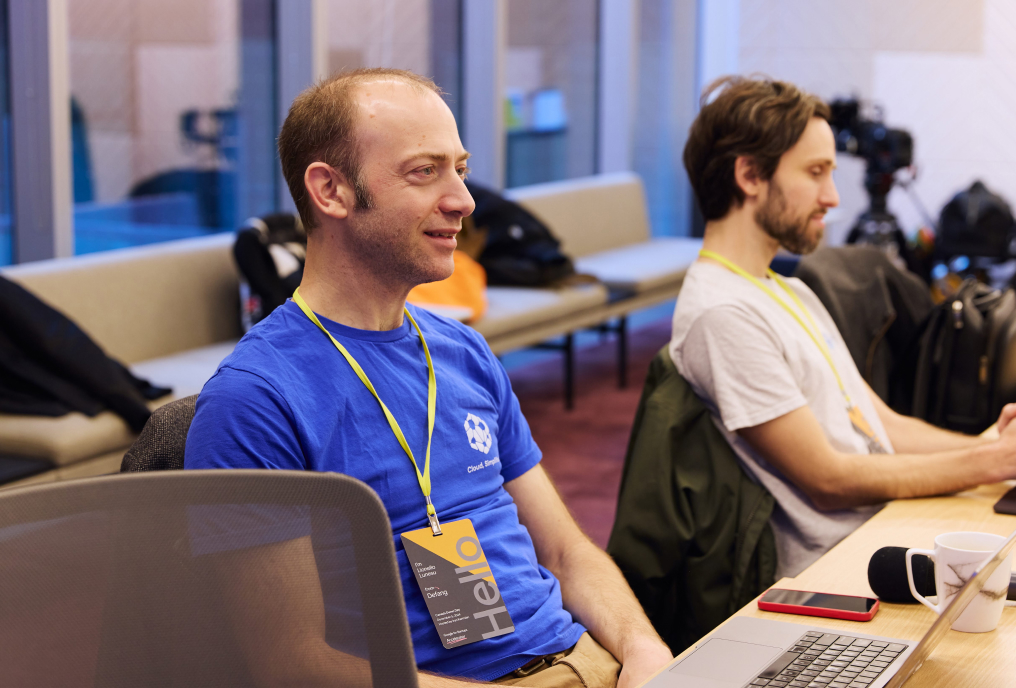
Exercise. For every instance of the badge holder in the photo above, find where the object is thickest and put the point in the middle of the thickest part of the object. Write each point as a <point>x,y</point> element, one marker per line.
<point>456,582</point>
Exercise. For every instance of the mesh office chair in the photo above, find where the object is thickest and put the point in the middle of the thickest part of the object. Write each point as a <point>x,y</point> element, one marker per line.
<point>161,443</point>
<point>201,578</point>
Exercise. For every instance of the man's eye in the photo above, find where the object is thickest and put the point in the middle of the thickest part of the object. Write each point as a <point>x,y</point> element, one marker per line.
<point>464,172</point>
<point>426,171</point>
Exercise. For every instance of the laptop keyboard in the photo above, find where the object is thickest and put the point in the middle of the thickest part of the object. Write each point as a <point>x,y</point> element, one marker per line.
<point>829,661</point>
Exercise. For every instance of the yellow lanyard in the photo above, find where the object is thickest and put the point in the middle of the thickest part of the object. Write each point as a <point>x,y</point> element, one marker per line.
<point>816,334</point>
<point>423,478</point>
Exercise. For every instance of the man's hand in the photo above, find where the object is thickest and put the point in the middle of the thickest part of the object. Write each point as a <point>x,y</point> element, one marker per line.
<point>592,587</point>
<point>642,661</point>
<point>1008,413</point>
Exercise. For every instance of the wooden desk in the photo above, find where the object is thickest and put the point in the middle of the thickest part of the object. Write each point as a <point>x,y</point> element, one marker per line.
<point>961,659</point>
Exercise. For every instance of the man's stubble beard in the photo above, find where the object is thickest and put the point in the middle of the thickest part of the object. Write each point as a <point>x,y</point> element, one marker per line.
<point>791,232</point>
<point>382,243</point>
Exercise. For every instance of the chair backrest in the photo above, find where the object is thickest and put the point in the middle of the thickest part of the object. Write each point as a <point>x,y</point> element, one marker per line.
<point>163,579</point>
<point>161,444</point>
<point>589,214</point>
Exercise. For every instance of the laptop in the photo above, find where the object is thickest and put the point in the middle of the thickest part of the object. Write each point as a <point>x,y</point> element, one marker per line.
<point>748,652</point>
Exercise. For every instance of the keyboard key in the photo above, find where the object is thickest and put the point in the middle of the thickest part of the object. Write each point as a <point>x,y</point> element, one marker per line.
<point>797,684</point>
<point>778,665</point>
<point>828,638</point>
<point>861,642</point>
<point>846,639</point>
<point>878,643</point>
<point>870,674</point>
<point>878,664</point>
<point>896,647</point>
<point>760,682</point>
<point>777,684</point>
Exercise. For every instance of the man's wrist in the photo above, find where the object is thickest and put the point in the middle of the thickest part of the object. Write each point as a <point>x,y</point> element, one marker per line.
<point>643,644</point>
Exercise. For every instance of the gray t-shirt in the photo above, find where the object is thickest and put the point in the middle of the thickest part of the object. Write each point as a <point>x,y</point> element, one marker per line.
<point>750,362</point>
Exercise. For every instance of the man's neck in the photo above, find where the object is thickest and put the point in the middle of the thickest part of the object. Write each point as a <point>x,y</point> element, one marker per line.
<point>341,289</point>
<point>739,239</point>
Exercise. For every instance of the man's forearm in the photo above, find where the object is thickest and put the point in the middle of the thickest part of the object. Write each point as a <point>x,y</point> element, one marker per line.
<point>595,592</point>
<point>875,478</point>
<point>797,446</point>
<point>914,436</point>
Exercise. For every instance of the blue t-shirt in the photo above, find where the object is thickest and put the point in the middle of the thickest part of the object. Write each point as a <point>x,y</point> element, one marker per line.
<point>285,398</point>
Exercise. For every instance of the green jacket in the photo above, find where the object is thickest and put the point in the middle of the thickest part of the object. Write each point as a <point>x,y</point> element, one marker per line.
<point>692,533</point>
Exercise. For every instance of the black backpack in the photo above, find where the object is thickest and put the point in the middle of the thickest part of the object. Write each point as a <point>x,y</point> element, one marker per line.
<point>270,252</point>
<point>975,222</point>
<point>966,368</point>
<point>520,250</point>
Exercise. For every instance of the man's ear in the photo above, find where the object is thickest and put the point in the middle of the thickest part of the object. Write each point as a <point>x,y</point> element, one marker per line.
<point>747,177</point>
<point>329,193</point>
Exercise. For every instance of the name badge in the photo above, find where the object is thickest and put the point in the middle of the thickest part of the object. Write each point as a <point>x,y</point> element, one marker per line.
<point>456,581</point>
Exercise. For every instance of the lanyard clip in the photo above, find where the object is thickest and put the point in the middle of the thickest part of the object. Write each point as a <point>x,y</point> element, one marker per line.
<point>435,525</point>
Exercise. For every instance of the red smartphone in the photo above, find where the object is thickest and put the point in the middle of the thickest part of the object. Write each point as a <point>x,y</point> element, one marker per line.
<point>818,604</point>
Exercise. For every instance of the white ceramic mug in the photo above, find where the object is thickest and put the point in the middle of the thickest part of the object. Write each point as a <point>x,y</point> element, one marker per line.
<point>956,557</point>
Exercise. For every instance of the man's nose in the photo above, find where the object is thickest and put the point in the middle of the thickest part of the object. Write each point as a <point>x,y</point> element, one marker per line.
<point>829,197</point>
<point>458,200</point>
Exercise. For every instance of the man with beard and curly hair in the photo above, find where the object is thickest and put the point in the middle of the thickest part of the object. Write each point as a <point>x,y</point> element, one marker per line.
<point>763,353</point>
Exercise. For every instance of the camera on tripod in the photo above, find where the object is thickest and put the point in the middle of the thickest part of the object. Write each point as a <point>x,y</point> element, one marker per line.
<point>885,151</point>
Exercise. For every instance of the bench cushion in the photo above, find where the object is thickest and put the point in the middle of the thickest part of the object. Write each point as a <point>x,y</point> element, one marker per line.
<point>510,309</point>
<point>644,266</point>
<point>144,302</point>
<point>71,438</point>
<point>186,372</point>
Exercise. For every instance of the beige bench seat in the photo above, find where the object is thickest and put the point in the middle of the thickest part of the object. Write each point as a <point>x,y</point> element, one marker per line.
<point>511,310</point>
<point>602,224</point>
<point>167,311</point>
<point>642,267</point>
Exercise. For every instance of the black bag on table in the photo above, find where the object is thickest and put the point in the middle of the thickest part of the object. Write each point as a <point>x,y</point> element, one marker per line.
<point>520,250</point>
<point>966,368</point>
<point>269,252</point>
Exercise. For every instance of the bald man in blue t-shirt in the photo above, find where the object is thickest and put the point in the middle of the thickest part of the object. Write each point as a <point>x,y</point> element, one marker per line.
<point>376,168</point>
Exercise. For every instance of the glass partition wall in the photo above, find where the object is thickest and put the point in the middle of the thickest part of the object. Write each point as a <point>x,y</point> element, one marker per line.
<point>155,124</point>
<point>423,36</point>
<point>550,90</point>
<point>6,247</point>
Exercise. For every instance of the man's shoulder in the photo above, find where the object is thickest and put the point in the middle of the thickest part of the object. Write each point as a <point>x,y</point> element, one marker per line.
<point>268,347</point>
<point>711,295</point>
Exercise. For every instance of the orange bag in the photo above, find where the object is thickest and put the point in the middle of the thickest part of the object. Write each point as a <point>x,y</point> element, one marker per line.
<point>466,288</point>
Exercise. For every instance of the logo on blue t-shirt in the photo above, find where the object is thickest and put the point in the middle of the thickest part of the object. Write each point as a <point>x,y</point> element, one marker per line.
<point>478,433</point>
